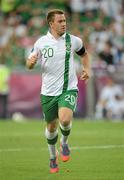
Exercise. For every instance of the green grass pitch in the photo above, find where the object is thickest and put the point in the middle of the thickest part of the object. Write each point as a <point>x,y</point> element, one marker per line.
<point>97,151</point>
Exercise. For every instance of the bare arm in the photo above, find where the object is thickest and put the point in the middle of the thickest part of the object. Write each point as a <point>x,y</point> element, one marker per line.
<point>86,67</point>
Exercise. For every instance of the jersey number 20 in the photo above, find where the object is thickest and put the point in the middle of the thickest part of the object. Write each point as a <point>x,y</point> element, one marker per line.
<point>71,99</point>
<point>47,52</point>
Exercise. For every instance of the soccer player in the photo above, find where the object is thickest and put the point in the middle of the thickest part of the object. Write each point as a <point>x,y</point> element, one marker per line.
<point>55,51</point>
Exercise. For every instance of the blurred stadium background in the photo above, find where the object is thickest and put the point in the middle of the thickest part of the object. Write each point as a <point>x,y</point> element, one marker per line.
<point>100,23</point>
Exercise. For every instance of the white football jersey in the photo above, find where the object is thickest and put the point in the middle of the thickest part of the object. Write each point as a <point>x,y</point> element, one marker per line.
<point>51,55</point>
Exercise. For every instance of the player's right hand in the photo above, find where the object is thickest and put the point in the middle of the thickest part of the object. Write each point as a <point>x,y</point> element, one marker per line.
<point>32,59</point>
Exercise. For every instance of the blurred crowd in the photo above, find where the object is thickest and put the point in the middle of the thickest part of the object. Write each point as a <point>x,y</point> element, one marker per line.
<point>100,23</point>
<point>110,104</point>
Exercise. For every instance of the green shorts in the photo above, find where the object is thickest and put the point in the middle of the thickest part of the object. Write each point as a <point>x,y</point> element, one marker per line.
<point>51,104</point>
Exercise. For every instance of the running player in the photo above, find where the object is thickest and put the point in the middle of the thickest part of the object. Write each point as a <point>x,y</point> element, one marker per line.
<point>55,51</point>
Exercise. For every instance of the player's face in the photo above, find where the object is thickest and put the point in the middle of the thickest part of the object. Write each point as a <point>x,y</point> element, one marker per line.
<point>59,24</point>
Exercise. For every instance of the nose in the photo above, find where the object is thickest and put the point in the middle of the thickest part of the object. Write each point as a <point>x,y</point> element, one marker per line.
<point>63,23</point>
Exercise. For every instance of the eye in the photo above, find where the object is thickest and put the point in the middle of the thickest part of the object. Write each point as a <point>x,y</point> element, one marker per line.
<point>61,21</point>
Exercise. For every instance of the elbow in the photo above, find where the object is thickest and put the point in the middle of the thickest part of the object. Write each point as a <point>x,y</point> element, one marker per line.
<point>85,54</point>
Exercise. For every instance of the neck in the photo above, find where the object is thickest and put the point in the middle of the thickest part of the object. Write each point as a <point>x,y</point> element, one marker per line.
<point>55,34</point>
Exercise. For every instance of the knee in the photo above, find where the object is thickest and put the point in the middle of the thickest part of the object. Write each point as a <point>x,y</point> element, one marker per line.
<point>52,127</point>
<point>65,119</point>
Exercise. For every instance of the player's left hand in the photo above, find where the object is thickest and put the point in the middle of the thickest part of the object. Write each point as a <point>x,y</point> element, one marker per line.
<point>85,75</point>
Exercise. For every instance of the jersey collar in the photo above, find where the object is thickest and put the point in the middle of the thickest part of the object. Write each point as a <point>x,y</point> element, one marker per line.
<point>52,37</point>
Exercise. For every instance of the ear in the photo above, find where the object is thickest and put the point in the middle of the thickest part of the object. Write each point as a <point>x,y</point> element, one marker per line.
<point>50,23</point>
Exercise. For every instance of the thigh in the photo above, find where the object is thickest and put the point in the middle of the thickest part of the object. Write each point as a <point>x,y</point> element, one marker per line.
<point>49,107</point>
<point>65,115</point>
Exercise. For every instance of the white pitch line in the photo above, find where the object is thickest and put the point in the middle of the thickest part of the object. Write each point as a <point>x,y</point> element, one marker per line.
<point>72,148</point>
<point>98,147</point>
<point>21,149</point>
<point>20,134</point>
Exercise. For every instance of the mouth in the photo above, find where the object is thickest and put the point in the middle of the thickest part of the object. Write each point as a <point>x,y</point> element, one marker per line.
<point>63,28</point>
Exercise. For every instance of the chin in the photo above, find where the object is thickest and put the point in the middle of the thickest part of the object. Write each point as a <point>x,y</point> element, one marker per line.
<point>62,33</point>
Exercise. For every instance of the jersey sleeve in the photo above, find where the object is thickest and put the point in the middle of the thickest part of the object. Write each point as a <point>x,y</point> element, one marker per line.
<point>78,45</point>
<point>35,51</point>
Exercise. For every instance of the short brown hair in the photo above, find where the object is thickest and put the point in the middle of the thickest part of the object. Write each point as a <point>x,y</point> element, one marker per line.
<point>51,14</point>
